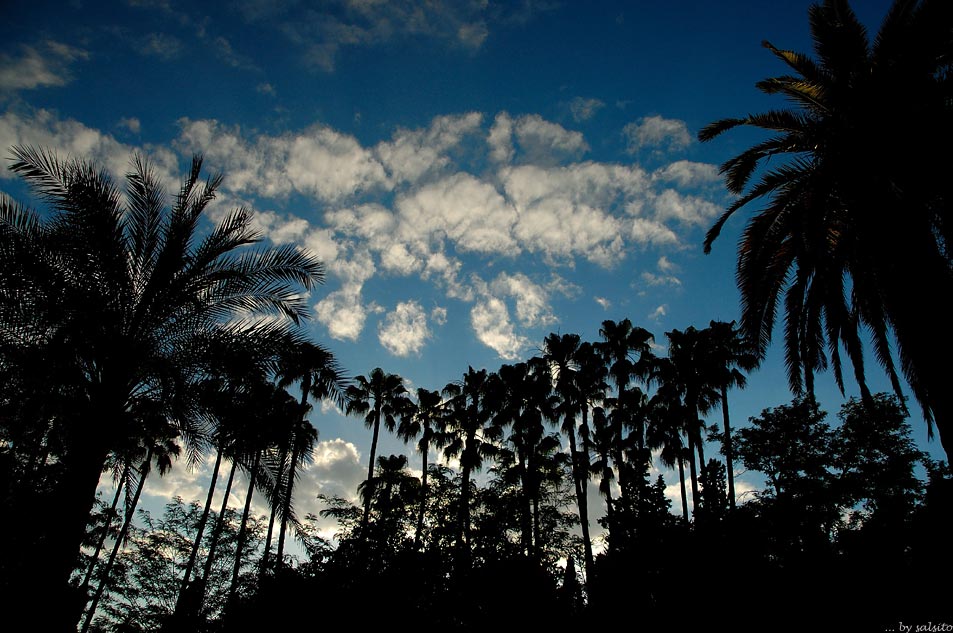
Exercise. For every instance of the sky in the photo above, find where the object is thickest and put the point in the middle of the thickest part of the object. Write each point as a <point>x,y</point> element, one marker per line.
<point>473,174</point>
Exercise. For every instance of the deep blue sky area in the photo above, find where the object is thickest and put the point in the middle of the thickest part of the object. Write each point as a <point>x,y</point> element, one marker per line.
<point>474,174</point>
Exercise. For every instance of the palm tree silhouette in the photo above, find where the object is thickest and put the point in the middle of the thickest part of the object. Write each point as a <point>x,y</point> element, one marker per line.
<point>423,420</point>
<point>627,352</point>
<point>320,376</point>
<point>145,290</point>
<point>469,435</point>
<point>855,202</point>
<point>576,383</point>
<point>691,372</point>
<point>382,398</point>
<point>729,353</point>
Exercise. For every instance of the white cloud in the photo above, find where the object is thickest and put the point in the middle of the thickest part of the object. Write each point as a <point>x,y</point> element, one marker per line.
<point>686,209</point>
<point>544,142</point>
<point>322,32</point>
<point>645,231</point>
<point>404,331</point>
<point>658,313</point>
<point>131,123</point>
<point>318,161</point>
<point>532,301</point>
<point>343,313</point>
<point>584,109</point>
<point>43,129</point>
<point>665,265</point>
<point>161,45</point>
<point>657,132</point>
<point>460,208</point>
<point>565,212</point>
<point>414,153</point>
<point>665,276</point>
<point>48,66</point>
<point>490,319</point>
<point>265,88</point>
<point>686,173</point>
<point>439,315</point>
<point>500,139</point>
<point>602,301</point>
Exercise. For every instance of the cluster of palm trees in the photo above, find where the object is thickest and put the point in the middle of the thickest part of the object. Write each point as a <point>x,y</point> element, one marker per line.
<point>131,332</point>
<point>614,401</point>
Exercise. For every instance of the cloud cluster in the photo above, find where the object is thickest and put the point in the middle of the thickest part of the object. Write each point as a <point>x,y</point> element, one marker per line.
<point>435,203</point>
<point>35,67</point>
<point>656,132</point>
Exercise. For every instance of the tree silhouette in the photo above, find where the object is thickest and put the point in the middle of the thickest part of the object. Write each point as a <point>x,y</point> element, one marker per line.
<point>145,291</point>
<point>855,202</point>
<point>382,398</point>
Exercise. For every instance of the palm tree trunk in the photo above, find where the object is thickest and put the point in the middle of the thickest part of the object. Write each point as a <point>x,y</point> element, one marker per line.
<point>289,489</point>
<point>217,531</point>
<point>200,530</point>
<point>526,520</point>
<point>370,474</point>
<point>681,482</point>
<point>62,519</point>
<point>584,500</point>
<point>275,504</point>
<point>102,537</point>
<point>693,471</point>
<point>729,454</point>
<point>581,501</point>
<point>423,496</point>
<point>130,513</point>
<point>240,544</point>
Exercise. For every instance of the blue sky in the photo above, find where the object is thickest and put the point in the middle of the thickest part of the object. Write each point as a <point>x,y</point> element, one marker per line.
<point>474,174</point>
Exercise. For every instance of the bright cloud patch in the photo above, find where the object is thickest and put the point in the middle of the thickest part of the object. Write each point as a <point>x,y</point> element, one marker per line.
<point>437,203</point>
<point>404,331</point>
<point>490,319</point>
<point>656,132</point>
<point>36,67</point>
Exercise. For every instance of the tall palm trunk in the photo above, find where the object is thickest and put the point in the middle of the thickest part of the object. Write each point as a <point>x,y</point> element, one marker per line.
<point>729,453</point>
<point>63,522</point>
<point>199,532</point>
<point>240,544</point>
<point>289,489</point>
<point>584,501</point>
<point>102,537</point>
<point>425,448</point>
<point>681,483</point>
<point>581,498</point>
<point>693,471</point>
<point>217,531</point>
<point>275,504</point>
<point>526,521</point>
<point>130,514</point>
<point>293,467</point>
<point>370,473</point>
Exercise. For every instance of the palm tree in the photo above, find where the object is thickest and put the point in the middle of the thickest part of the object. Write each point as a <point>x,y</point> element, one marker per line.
<point>270,403</point>
<point>382,399</point>
<point>161,450</point>
<point>729,353</point>
<point>664,431</point>
<point>469,435</point>
<point>565,355</point>
<point>691,373</point>
<point>520,397</point>
<point>425,421</point>
<point>320,376</point>
<point>145,292</point>
<point>855,203</point>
